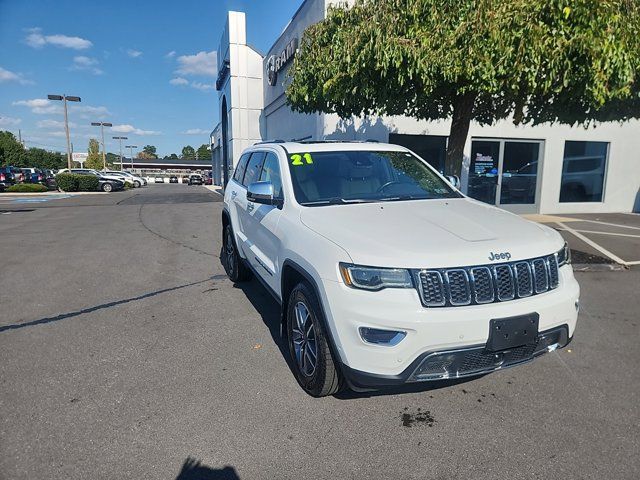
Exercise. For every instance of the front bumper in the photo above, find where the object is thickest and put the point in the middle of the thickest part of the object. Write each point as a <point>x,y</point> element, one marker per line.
<point>432,331</point>
<point>465,362</point>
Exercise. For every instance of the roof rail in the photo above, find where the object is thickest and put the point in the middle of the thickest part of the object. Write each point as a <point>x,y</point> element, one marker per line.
<point>270,141</point>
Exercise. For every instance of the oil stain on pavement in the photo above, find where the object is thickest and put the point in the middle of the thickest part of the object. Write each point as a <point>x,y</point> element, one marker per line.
<point>417,417</point>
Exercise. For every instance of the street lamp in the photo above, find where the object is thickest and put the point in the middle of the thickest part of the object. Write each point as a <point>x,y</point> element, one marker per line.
<point>120,138</point>
<point>66,99</point>
<point>131,147</point>
<point>104,155</point>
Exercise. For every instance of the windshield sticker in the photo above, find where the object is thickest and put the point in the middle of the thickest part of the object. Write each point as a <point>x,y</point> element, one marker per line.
<point>297,159</point>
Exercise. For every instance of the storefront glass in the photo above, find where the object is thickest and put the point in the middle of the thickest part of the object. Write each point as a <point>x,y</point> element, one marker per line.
<point>583,171</point>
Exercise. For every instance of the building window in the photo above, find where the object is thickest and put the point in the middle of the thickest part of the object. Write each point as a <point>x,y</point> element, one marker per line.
<point>583,171</point>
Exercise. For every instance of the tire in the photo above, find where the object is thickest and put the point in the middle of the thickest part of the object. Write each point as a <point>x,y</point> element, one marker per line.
<point>305,336</point>
<point>236,270</point>
<point>136,184</point>
<point>107,187</point>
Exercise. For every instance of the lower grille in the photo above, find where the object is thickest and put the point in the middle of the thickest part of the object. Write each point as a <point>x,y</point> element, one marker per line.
<point>452,287</point>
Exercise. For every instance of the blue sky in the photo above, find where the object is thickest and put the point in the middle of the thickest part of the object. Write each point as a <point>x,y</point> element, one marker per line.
<point>146,66</point>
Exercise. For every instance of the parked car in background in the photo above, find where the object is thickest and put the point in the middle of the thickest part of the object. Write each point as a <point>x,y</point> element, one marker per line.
<point>129,177</point>
<point>208,180</point>
<point>173,179</point>
<point>195,180</point>
<point>105,183</point>
<point>159,180</point>
<point>33,175</point>
<point>7,177</point>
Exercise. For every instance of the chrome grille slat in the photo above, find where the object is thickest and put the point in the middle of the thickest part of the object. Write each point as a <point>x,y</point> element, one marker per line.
<point>484,284</point>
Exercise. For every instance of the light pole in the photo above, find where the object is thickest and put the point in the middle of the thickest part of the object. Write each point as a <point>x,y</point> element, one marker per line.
<point>66,99</point>
<point>120,138</point>
<point>104,155</point>
<point>131,147</point>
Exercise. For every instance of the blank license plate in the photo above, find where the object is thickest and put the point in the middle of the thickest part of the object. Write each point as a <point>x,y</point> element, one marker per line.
<point>512,332</point>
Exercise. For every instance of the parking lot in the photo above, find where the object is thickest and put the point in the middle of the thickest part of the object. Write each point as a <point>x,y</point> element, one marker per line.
<point>126,353</point>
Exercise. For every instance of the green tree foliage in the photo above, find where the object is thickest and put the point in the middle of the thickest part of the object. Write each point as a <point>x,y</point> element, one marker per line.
<point>189,152</point>
<point>13,153</point>
<point>149,151</point>
<point>94,160</point>
<point>173,156</point>
<point>534,61</point>
<point>203,152</point>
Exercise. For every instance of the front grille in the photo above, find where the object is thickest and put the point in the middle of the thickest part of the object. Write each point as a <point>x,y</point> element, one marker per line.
<point>453,287</point>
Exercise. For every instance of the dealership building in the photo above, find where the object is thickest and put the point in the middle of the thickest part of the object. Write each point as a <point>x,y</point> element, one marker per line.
<point>525,169</point>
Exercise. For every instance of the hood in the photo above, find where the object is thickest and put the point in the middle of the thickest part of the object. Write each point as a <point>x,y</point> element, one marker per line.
<point>430,233</point>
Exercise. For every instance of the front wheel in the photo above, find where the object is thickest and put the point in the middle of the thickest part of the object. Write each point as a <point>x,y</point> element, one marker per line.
<point>107,187</point>
<point>313,363</point>
<point>235,268</point>
<point>137,184</point>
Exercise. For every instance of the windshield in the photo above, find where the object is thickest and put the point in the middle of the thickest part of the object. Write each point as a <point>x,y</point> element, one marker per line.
<point>325,178</point>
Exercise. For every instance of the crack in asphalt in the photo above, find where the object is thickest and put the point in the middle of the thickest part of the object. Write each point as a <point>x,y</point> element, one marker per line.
<point>175,242</point>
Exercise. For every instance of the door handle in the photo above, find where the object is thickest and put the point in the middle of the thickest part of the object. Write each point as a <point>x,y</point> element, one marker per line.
<point>234,194</point>
<point>250,206</point>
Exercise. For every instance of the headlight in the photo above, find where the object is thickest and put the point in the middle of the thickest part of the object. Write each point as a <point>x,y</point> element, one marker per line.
<point>373,278</point>
<point>564,255</point>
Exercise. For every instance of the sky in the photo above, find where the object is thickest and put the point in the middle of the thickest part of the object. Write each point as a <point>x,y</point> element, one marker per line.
<point>147,66</point>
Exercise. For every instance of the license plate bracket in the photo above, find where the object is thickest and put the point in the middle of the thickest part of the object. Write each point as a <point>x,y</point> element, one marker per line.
<point>511,332</point>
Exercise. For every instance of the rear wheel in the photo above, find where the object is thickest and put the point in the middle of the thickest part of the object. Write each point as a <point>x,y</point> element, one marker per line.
<point>313,363</point>
<point>233,264</point>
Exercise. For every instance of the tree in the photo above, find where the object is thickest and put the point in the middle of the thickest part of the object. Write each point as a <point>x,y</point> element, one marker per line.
<point>11,150</point>
<point>94,160</point>
<point>173,156</point>
<point>149,151</point>
<point>203,152</point>
<point>533,61</point>
<point>189,152</point>
<point>39,158</point>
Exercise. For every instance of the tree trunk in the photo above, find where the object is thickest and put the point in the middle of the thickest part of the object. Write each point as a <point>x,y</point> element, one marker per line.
<point>462,114</point>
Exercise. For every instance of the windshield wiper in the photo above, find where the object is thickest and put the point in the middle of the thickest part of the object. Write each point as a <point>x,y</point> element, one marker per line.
<point>337,201</point>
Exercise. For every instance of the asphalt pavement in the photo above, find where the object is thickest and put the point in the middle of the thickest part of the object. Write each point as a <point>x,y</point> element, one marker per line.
<point>126,353</point>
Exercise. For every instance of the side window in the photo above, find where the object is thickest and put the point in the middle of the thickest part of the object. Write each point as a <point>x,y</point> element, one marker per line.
<point>241,167</point>
<point>271,173</point>
<point>254,168</point>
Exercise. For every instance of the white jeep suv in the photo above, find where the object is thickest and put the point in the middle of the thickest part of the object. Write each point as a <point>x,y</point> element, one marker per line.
<point>386,273</point>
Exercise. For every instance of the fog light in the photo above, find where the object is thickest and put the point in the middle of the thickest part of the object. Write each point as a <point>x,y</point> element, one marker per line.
<point>389,338</point>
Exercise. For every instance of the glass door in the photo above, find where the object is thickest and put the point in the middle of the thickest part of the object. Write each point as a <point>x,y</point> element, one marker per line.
<point>505,173</point>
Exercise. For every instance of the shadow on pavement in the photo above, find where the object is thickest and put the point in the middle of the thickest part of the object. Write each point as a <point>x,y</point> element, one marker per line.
<point>63,316</point>
<point>192,469</point>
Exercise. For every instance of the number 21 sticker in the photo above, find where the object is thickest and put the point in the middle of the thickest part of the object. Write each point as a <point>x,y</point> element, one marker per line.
<point>297,159</point>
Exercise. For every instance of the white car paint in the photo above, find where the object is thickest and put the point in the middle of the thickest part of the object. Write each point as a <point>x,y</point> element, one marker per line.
<point>416,234</point>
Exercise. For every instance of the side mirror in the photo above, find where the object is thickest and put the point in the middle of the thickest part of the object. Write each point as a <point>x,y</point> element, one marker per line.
<point>453,180</point>
<point>261,192</point>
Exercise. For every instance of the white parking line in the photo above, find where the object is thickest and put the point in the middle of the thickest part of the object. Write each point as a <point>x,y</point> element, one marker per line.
<point>608,233</point>
<point>593,244</point>
<point>609,224</point>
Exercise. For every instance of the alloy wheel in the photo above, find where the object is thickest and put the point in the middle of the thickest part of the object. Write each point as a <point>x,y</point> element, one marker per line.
<point>304,340</point>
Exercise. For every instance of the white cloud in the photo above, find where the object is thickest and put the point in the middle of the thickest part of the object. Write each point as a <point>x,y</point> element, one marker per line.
<point>36,39</point>
<point>7,76</point>
<point>53,124</point>
<point>134,53</point>
<point>202,63</point>
<point>88,64</point>
<point>196,131</point>
<point>170,54</point>
<point>40,106</point>
<point>9,121</point>
<point>133,130</point>
<point>202,86</point>
<point>179,81</point>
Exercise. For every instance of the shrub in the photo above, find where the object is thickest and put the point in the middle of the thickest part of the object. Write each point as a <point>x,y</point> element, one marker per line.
<point>88,183</point>
<point>128,185</point>
<point>27,188</point>
<point>67,182</point>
